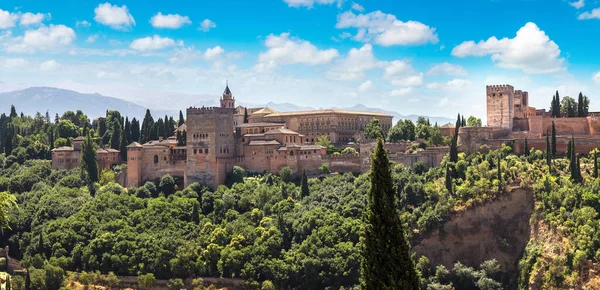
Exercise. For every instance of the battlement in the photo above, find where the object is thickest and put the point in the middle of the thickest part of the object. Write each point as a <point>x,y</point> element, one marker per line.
<point>209,111</point>
<point>499,89</point>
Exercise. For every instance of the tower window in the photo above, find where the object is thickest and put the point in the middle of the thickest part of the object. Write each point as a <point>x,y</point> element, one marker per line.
<point>155,159</point>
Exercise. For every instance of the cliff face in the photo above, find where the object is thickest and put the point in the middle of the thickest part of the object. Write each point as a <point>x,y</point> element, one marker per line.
<point>497,229</point>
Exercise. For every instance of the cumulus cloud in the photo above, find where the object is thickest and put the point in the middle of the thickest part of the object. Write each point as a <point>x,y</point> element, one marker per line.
<point>285,50</point>
<point>357,7</point>
<point>7,19</point>
<point>307,3</point>
<point>365,86</point>
<point>92,38</point>
<point>190,53</point>
<point>400,92</point>
<point>29,18</point>
<point>397,68</point>
<point>82,24</point>
<point>212,53</point>
<point>594,14</point>
<point>153,43</point>
<point>207,25</point>
<point>171,21</point>
<point>531,51</point>
<point>447,69</point>
<point>386,30</point>
<point>44,38</point>
<point>354,66</point>
<point>578,4</point>
<point>49,65</point>
<point>596,78</point>
<point>453,85</point>
<point>114,16</point>
<point>14,63</point>
<point>409,81</point>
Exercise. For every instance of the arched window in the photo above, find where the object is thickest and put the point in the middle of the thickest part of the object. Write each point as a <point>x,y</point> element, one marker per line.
<point>155,159</point>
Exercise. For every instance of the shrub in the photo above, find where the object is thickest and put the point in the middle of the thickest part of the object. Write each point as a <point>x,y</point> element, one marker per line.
<point>175,284</point>
<point>286,174</point>
<point>146,281</point>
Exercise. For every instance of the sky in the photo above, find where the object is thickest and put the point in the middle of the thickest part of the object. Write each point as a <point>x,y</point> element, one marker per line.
<point>429,57</point>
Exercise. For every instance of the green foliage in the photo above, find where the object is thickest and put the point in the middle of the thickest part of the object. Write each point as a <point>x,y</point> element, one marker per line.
<point>286,174</point>
<point>175,284</point>
<point>373,129</point>
<point>568,107</point>
<point>473,121</point>
<point>304,189</point>
<point>349,151</point>
<point>325,142</point>
<point>167,185</point>
<point>7,203</point>
<point>89,165</point>
<point>146,281</point>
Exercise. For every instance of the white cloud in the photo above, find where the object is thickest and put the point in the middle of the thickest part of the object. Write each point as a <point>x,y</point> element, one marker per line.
<point>153,43</point>
<point>212,53</point>
<point>114,16</point>
<point>14,63</point>
<point>207,25</point>
<point>265,67</point>
<point>286,50</point>
<point>409,81</point>
<point>400,92</point>
<point>365,86</point>
<point>398,69</point>
<point>444,102</point>
<point>92,38</point>
<point>531,51</point>
<point>7,19</point>
<point>307,3</point>
<point>578,4</point>
<point>453,85</point>
<point>49,65</point>
<point>447,69</point>
<point>44,38</point>
<point>354,66</point>
<point>29,18</point>
<point>83,24</point>
<point>172,21</point>
<point>386,30</point>
<point>357,7</point>
<point>596,78</point>
<point>594,14</point>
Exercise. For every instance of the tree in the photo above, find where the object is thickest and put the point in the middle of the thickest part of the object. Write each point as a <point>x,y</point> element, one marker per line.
<point>195,214</point>
<point>245,115</point>
<point>304,184</point>
<point>395,134</point>
<point>454,142</point>
<point>146,281</point>
<point>526,148</point>
<point>123,146</point>
<point>555,106</point>
<point>7,203</point>
<point>27,281</point>
<point>285,174</point>
<point>181,119</point>
<point>580,111</point>
<point>423,130</point>
<point>167,184</point>
<point>553,140</point>
<point>568,107</point>
<point>115,136</point>
<point>325,142</point>
<point>463,123</point>
<point>373,129</point>
<point>127,131</point>
<point>147,128</point>
<point>66,129</point>
<point>175,284</point>
<point>548,150</point>
<point>473,121</point>
<point>386,261</point>
<point>408,129</point>
<point>595,163</point>
<point>13,112</point>
<point>89,165</point>
<point>448,179</point>
<point>500,173</point>
<point>135,130</point>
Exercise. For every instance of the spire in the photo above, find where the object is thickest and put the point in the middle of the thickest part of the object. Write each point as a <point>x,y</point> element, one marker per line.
<point>227,91</point>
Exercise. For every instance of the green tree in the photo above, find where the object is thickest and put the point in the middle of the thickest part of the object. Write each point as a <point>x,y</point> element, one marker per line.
<point>167,184</point>
<point>7,203</point>
<point>27,281</point>
<point>526,148</point>
<point>89,165</point>
<point>175,284</point>
<point>304,184</point>
<point>135,130</point>
<point>325,142</point>
<point>115,136</point>
<point>548,150</point>
<point>373,129</point>
<point>500,182</point>
<point>386,261</point>
<point>448,176</point>
<point>454,142</point>
<point>473,122</point>
<point>395,133</point>
<point>285,174</point>
<point>423,130</point>
<point>568,107</point>
<point>66,129</point>
<point>595,163</point>
<point>123,146</point>
<point>408,129</point>
<point>146,281</point>
<point>580,112</point>
<point>553,140</point>
<point>245,115</point>
<point>195,214</point>
<point>181,119</point>
<point>555,106</point>
<point>13,112</point>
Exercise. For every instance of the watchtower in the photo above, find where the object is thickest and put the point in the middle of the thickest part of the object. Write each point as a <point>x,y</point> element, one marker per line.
<point>500,106</point>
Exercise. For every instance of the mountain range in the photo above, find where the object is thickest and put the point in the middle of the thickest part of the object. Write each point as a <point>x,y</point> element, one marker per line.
<point>55,100</point>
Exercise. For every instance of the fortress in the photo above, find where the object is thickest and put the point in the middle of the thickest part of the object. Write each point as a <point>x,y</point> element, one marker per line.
<point>218,139</point>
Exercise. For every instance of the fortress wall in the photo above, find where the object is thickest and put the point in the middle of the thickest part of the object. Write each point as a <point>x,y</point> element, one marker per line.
<point>594,124</point>
<point>582,145</point>
<point>564,126</point>
<point>520,125</point>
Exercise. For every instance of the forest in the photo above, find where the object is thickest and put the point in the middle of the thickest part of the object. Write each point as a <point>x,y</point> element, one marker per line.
<point>271,231</point>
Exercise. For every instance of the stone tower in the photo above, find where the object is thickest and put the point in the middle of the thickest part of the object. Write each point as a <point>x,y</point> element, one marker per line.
<point>134,164</point>
<point>210,142</point>
<point>500,106</point>
<point>227,100</point>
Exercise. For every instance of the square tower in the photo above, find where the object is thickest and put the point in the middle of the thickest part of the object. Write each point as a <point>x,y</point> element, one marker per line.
<point>500,106</point>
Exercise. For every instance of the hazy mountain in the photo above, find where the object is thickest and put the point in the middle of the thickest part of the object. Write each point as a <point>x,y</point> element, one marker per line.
<point>54,100</point>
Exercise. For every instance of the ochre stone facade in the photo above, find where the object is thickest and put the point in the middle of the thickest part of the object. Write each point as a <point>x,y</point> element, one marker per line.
<point>70,157</point>
<point>217,140</point>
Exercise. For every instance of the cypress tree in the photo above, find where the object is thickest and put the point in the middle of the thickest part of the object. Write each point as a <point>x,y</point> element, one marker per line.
<point>578,170</point>
<point>526,148</point>
<point>168,129</point>
<point>448,179</point>
<point>499,173</point>
<point>179,140</point>
<point>454,142</point>
<point>41,248</point>
<point>245,115</point>
<point>580,112</point>
<point>89,165</point>
<point>548,150</point>
<point>283,191</point>
<point>123,146</point>
<point>195,214</point>
<point>13,112</point>
<point>127,130</point>
<point>553,140</point>
<point>596,164</point>
<point>135,130</point>
<point>557,107</point>
<point>27,281</point>
<point>181,119</point>
<point>386,260</point>
<point>463,123</point>
<point>304,184</point>
<point>115,137</point>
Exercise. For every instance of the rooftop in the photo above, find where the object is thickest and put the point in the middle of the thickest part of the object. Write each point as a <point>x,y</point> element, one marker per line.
<point>134,145</point>
<point>264,111</point>
<point>331,111</point>
<point>281,131</point>
<point>261,124</point>
<point>264,142</point>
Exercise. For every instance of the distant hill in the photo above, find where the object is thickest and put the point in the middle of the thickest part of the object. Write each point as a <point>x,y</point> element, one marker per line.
<point>54,100</point>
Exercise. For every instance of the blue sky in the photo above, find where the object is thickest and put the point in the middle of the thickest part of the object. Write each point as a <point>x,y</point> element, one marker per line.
<point>415,57</point>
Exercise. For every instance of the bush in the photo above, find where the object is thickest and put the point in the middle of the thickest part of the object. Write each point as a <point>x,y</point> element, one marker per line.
<point>286,174</point>
<point>175,284</point>
<point>3,264</point>
<point>146,281</point>
<point>112,280</point>
<point>325,168</point>
<point>267,285</point>
<point>167,185</point>
<point>18,283</point>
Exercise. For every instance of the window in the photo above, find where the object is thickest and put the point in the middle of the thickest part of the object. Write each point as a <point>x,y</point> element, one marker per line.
<point>165,158</point>
<point>155,159</point>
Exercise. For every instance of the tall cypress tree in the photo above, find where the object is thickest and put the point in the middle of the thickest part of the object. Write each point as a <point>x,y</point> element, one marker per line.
<point>89,165</point>
<point>181,119</point>
<point>304,184</point>
<point>123,146</point>
<point>596,164</point>
<point>27,281</point>
<point>526,148</point>
<point>245,115</point>
<point>454,141</point>
<point>580,111</point>
<point>115,136</point>
<point>557,107</point>
<point>135,130</point>
<point>127,130</point>
<point>553,140</point>
<point>386,261</point>
<point>500,174</point>
<point>448,179</point>
<point>195,214</point>
<point>548,150</point>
